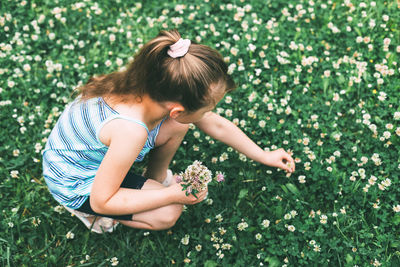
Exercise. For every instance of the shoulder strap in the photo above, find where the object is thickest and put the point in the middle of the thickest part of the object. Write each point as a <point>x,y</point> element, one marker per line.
<point>119,116</point>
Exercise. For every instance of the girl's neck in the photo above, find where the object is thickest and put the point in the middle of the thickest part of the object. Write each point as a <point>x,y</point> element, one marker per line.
<point>142,108</point>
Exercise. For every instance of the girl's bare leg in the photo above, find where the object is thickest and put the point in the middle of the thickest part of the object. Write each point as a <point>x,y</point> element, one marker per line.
<point>158,219</point>
<point>168,140</point>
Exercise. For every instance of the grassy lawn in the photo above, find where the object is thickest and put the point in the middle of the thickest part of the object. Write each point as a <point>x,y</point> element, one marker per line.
<point>320,79</point>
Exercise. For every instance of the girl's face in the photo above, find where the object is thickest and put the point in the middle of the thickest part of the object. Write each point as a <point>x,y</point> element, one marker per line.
<point>191,117</point>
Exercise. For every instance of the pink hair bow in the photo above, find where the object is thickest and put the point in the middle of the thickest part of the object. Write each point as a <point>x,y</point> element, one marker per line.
<point>179,49</point>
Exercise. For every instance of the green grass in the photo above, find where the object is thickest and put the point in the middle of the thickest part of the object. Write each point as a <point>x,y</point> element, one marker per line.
<point>331,112</point>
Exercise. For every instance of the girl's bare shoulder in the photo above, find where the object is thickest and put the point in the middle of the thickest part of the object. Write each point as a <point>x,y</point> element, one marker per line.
<point>122,129</point>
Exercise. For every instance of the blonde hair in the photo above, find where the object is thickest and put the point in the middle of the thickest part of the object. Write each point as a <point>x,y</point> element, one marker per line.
<point>186,79</point>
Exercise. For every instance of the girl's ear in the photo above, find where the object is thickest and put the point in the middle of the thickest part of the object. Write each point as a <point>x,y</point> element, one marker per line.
<point>176,110</point>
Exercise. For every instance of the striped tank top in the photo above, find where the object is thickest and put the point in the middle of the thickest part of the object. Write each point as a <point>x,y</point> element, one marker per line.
<point>73,151</point>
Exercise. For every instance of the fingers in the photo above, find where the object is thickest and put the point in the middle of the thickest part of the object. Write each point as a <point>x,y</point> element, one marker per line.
<point>201,196</point>
<point>288,163</point>
<point>287,167</point>
<point>191,199</point>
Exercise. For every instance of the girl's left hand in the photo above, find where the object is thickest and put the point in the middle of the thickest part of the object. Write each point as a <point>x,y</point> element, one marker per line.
<point>281,159</point>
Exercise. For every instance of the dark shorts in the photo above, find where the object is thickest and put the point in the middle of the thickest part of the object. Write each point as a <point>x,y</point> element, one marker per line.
<point>132,181</point>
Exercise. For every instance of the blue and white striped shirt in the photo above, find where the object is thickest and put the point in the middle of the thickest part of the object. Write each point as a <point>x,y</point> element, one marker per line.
<point>73,152</point>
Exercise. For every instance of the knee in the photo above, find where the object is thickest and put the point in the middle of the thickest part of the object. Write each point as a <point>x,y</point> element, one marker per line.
<point>170,216</point>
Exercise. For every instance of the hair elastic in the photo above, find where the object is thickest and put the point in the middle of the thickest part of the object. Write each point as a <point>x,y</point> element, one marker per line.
<point>179,49</point>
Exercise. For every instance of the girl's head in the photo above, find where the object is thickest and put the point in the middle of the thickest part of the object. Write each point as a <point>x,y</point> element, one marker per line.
<point>195,80</point>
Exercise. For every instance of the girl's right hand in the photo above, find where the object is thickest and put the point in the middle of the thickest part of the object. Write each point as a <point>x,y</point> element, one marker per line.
<point>181,197</point>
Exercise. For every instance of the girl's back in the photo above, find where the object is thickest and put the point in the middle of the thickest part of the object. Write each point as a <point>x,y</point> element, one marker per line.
<point>74,151</point>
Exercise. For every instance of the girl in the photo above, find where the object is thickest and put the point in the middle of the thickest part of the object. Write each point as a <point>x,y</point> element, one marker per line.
<point>118,118</point>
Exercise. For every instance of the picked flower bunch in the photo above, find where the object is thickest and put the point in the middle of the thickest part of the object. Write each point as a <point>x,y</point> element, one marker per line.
<point>196,178</point>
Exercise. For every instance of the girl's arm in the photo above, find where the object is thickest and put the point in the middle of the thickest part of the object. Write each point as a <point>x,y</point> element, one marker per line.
<point>228,133</point>
<point>107,197</point>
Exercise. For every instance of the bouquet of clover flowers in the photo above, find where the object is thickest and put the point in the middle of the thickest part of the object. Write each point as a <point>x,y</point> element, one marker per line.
<point>196,178</point>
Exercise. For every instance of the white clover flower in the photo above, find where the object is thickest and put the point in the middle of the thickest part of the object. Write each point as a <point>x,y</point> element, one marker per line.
<point>231,68</point>
<point>10,84</point>
<point>396,208</point>
<point>36,221</point>
<point>376,159</point>
<point>59,209</point>
<point>291,228</point>
<point>336,97</point>
<point>222,230</point>
<point>119,61</point>
<point>14,174</point>
<point>389,126</point>
<point>252,47</point>
<point>185,240</point>
<point>372,127</point>
<point>386,134</point>
<point>372,180</point>
<point>314,117</point>
<point>219,218</point>
<point>196,134</point>
<point>302,179</point>
<point>70,235</point>
<point>366,116</point>
<point>396,115</point>
<point>382,96</point>
<point>38,147</point>
<point>258,236</point>
<point>381,187</point>
<point>114,261</point>
<point>27,67</point>
<point>234,51</point>
<point>265,223</point>
<point>376,263</point>
<point>220,254</point>
<point>366,187</point>
<point>387,182</point>
<point>337,153</point>
<point>16,152</point>
<point>337,136</point>
<point>224,156</point>
<point>364,159</point>
<point>242,225</point>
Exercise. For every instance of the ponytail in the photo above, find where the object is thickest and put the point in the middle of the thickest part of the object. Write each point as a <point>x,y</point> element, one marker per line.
<point>185,78</point>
